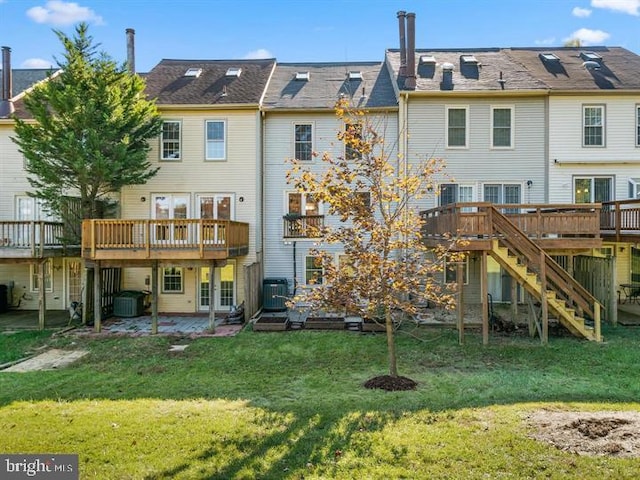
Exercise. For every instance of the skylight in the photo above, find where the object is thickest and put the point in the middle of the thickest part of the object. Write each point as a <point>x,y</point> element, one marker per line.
<point>430,59</point>
<point>469,59</point>
<point>549,57</point>
<point>234,72</point>
<point>302,76</point>
<point>355,75</point>
<point>590,56</point>
<point>193,72</point>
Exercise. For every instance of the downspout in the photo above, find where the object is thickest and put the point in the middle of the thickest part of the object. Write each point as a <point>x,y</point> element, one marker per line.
<point>295,268</point>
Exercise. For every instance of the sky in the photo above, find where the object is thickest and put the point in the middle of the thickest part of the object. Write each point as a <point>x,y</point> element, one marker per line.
<point>307,30</point>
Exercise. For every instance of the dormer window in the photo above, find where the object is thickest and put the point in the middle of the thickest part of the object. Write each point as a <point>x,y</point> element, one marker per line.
<point>590,57</point>
<point>469,59</point>
<point>355,75</point>
<point>303,76</point>
<point>549,57</point>
<point>427,59</point>
<point>233,72</point>
<point>193,72</point>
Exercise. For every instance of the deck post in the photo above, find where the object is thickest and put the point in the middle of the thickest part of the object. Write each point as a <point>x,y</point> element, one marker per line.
<point>485,298</point>
<point>613,310</point>
<point>42,293</point>
<point>154,298</point>
<point>212,301</point>
<point>84,293</point>
<point>97,298</point>
<point>543,299</point>
<point>460,280</point>
<point>514,299</point>
<point>596,321</point>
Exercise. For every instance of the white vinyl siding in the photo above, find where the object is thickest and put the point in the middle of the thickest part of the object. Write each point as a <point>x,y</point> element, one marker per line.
<point>215,131</point>
<point>457,127</point>
<point>637,125</point>
<point>593,125</point>
<point>502,127</point>
<point>170,140</point>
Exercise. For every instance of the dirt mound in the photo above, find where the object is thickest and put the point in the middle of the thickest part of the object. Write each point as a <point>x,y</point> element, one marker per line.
<point>589,433</point>
<point>389,383</point>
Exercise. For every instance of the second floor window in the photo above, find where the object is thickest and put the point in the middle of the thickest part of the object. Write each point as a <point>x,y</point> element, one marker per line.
<point>637,125</point>
<point>170,141</point>
<point>216,148</point>
<point>302,204</point>
<point>456,127</point>
<point>303,142</point>
<point>501,136</point>
<point>593,126</point>
<point>351,149</point>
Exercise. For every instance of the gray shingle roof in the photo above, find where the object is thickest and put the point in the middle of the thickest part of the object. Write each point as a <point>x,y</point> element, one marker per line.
<point>485,76</point>
<point>23,79</point>
<point>619,68</point>
<point>166,82</point>
<point>326,83</point>
<point>523,69</point>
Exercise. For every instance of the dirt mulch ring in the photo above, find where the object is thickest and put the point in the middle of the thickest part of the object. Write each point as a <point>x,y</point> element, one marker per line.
<point>604,433</point>
<point>389,383</point>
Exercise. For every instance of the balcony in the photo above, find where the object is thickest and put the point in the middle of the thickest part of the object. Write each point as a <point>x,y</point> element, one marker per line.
<point>176,239</point>
<point>551,226</point>
<point>302,226</point>
<point>34,239</point>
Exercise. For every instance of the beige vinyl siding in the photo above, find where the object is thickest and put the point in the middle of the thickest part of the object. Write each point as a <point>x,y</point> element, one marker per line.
<point>565,145</point>
<point>238,175</point>
<point>279,146</point>
<point>479,163</point>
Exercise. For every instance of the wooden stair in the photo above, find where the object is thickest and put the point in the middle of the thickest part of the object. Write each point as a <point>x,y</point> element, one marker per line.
<point>535,270</point>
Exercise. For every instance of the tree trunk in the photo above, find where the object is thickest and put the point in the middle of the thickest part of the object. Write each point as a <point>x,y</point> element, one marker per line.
<point>391,345</point>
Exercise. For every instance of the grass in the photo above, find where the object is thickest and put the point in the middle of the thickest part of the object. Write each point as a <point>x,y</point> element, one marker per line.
<point>291,405</point>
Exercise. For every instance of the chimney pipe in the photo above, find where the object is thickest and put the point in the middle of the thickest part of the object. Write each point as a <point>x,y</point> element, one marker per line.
<point>403,43</point>
<point>6,105</point>
<point>410,81</point>
<point>131,55</point>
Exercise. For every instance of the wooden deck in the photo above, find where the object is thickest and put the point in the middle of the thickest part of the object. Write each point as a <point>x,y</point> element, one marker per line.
<point>25,241</point>
<point>176,239</point>
<point>620,221</point>
<point>551,226</point>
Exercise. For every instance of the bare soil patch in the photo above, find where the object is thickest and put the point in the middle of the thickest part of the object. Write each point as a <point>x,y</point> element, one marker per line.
<point>604,433</point>
<point>389,383</point>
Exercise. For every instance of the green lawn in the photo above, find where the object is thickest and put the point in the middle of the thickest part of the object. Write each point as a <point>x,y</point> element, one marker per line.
<point>292,405</point>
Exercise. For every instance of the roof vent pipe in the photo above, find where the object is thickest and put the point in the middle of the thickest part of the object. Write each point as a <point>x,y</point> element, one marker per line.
<point>131,54</point>
<point>403,43</point>
<point>410,81</point>
<point>6,105</point>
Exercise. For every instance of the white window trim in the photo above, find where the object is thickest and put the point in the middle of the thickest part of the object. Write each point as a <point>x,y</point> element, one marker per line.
<point>285,206</point>
<point>306,282</point>
<point>171,292</point>
<point>511,127</point>
<point>604,125</point>
<point>206,140</point>
<point>34,271</point>
<point>179,157</point>
<point>466,127</point>
<point>313,139</point>
<point>637,132</point>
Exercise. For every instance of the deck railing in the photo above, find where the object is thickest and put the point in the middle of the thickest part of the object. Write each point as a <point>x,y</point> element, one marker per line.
<point>620,217</point>
<point>176,235</point>
<point>538,221</point>
<point>31,236</point>
<point>302,226</point>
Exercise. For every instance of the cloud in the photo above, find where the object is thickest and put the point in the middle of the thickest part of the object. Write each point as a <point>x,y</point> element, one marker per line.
<point>580,12</point>
<point>36,63</point>
<point>546,41</point>
<point>59,13</point>
<point>588,37</point>
<point>632,7</point>
<point>258,54</point>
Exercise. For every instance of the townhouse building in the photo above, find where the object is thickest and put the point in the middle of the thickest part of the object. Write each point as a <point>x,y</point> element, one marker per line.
<point>300,123</point>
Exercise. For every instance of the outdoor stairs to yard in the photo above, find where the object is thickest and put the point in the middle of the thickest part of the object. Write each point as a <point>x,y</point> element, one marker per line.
<point>535,270</point>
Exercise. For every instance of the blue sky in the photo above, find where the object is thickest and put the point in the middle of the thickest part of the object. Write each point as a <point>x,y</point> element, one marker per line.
<point>308,30</point>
